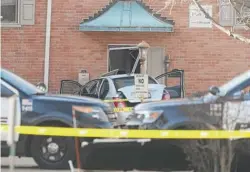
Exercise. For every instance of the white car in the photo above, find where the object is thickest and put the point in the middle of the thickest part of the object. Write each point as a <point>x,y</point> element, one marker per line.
<point>113,87</point>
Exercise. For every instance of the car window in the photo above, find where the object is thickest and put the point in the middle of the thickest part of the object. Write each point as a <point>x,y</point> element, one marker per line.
<point>243,89</point>
<point>128,81</point>
<point>104,89</point>
<point>247,96</point>
<point>5,92</point>
<point>236,84</point>
<point>95,87</point>
<point>70,87</point>
<point>89,85</point>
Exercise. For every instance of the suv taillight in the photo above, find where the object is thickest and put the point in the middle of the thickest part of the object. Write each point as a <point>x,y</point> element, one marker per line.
<point>166,95</point>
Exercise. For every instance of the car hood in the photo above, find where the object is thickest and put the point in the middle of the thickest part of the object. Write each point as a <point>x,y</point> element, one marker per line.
<point>68,98</point>
<point>169,103</point>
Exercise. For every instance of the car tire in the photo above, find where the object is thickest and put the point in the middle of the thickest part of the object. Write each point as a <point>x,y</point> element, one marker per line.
<point>53,152</point>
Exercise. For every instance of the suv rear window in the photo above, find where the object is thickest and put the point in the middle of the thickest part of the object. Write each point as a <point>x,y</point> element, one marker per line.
<point>128,81</point>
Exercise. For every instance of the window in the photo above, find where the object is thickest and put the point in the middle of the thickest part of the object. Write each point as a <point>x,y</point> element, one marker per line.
<point>239,18</point>
<point>104,89</point>
<point>17,12</point>
<point>5,92</point>
<point>229,16</point>
<point>128,81</point>
<point>9,11</point>
<point>89,85</point>
<point>242,89</point>
<point>92,87</point>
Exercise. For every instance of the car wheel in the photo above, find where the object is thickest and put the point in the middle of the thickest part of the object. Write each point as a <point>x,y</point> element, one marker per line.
<point>53,152</point>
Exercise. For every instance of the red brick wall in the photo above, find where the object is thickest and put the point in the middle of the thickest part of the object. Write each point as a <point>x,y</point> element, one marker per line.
<point>23,47</point>
<point>208,56</point>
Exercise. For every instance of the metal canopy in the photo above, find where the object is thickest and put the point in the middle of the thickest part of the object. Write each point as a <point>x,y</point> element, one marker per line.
<point>127,16</point>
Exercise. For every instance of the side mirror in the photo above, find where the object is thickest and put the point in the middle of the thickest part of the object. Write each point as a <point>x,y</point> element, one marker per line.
<point>42,87</point>
<point>214,90</point>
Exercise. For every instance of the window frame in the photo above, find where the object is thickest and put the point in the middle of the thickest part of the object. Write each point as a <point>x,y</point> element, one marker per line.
<point>232,21</point>
<point>235,24</point>
<point>90,87</point>
<point>101,86</point>
<point>96,87</point>
<point>8,86</point>
<point>18,13</point>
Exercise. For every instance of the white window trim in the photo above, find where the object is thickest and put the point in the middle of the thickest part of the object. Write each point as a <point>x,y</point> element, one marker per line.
<point>17,24</point>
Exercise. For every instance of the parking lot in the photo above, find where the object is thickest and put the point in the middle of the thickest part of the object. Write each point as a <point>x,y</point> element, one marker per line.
<point>22,164</point>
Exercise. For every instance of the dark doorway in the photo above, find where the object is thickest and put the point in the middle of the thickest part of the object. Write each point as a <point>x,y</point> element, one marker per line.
<point>123,57</point>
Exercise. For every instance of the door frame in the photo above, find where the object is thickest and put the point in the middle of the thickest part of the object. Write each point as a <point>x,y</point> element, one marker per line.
<point>17,112</point>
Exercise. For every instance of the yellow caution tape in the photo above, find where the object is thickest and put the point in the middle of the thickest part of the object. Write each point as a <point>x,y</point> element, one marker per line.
<point>128,133</point>
<point>126,109</point>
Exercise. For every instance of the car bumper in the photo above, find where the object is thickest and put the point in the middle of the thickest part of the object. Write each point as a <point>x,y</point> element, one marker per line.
<point>122,118</point>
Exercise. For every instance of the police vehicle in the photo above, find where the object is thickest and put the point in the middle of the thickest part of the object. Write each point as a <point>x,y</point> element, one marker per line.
<point>34,107</point>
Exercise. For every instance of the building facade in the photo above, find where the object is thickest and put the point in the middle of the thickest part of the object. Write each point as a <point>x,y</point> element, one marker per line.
<point>81,40</point>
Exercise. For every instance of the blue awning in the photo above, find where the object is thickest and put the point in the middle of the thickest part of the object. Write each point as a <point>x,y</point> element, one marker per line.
<point>127,16</point>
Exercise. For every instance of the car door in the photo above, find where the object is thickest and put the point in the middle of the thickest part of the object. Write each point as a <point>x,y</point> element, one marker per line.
<point>174,82</point>
<point>237,107</point>
<point>91,89</point>
<point>70,87</point>
<point>104,89</point>
<point>75,88</point>
<point>8,92</point>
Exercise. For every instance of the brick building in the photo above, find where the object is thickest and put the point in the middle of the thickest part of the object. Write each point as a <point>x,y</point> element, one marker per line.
<point>207,55</point>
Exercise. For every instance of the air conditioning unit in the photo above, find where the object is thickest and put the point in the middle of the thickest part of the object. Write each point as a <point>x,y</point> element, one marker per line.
<point>83,77</point>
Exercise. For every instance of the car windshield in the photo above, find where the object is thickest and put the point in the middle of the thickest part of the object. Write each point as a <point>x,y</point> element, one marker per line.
<point>19,83</point>
<point>128,81</point>
<point>233,83</point>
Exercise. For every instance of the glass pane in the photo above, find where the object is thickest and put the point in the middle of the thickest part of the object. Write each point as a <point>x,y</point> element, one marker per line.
<point>225,2</point>
<point>128,81</point>
<point>9,11</point>
<point>5,92</point>
<point>243,16</point>
<point>226,12</point>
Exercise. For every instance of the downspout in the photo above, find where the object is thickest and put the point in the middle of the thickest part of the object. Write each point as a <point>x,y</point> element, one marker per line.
<point>47,44</point>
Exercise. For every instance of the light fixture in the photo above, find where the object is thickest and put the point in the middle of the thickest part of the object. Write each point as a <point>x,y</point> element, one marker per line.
<point>143,51</point>
<point>143,48</point>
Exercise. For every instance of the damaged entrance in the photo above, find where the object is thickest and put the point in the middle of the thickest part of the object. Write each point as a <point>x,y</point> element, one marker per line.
<point>123,58</point>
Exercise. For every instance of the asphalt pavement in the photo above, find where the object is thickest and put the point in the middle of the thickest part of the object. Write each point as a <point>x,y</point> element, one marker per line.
<point>22,165</point>
<point>27,164</point>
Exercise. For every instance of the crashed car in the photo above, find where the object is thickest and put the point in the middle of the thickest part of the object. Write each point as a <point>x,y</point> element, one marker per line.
<point>116,87</point>
<point>38,108</point>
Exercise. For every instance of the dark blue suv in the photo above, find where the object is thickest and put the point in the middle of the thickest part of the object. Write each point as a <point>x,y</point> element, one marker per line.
<point>38,108</point>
